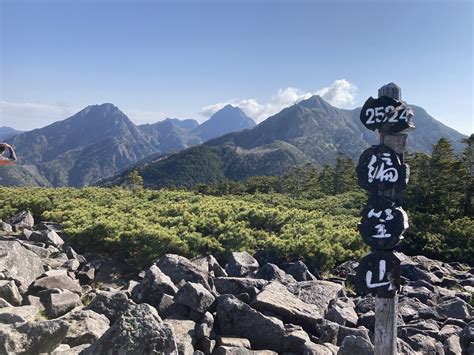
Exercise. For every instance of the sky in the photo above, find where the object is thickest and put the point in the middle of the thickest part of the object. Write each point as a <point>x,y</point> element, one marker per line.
<point>186,59</point>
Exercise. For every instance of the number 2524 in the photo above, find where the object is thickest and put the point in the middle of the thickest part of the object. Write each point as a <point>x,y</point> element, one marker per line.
<point>382,114</point>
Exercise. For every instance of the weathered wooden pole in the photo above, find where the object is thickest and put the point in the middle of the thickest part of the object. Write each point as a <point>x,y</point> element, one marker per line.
<point>386,309</point>
<point>382,172</point>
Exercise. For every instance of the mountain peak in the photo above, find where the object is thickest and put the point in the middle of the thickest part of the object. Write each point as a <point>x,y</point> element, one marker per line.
<point>313,102</point>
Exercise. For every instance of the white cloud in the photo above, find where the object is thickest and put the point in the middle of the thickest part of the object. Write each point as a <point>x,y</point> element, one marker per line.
<point>341,93</point>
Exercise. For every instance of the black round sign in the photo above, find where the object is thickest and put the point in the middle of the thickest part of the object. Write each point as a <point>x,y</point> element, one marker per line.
<point>382,224</point>
<point>378,273</point>
<point>387,115</point>
<point>379,168</point>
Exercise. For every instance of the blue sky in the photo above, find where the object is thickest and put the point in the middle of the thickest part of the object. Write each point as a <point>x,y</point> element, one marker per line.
<point>157,59</point>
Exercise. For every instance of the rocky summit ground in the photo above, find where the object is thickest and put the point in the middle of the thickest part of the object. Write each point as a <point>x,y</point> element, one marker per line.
<point>53,300</point>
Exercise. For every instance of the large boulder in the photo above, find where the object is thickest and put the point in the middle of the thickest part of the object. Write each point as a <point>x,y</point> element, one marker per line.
<point>179,268</point>
<point>32,338</point>
<point>271,272</point>
<point>235,318</point>
<point>9,315</point>
<point>210,264</point>
<point>354,345</point>
<point>85,327</point>
<point>185,334</point>
<point>299,271</point>
<point>57,304</point>
<point>454,308</point>
<point>319,293</point>
<point>24,272</point>
<point>276,299</point>
<point>140,330</point>
<point>63,282</point>
<point>21,220</point>
<point>48,237</point>
<point>110,304</point>
<point>153,286</point>
<point>195,296</point>
<point>241,264</point>
<point>9,292</point>
<point>237,285</point>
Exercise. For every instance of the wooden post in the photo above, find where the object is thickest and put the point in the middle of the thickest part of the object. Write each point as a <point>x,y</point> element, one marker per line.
<point>386,309</point>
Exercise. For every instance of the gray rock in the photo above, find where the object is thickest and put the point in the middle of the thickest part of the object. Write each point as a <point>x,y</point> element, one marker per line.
<point>312,348</point>
<point>210,264</point>
<point>271,272</point>
<point>32,338</point>
<point>110,304</point>
<point>35,301</point>
<point>424,344</point>
<point>241,264</point>
<point>233,342</point>
<point>409,308</point>
<point>9,315</point>
<point>448,330</point>
<point>346,331</point>
<point>140,330</point>
<point>414,273</point>
<point>299,271</point>
<point>205,328</point>
<point>235,318</point>
<point>179,268</point>
<point>454,308</point>
<point>21,220</point>
<point>342,315</point>
<point>4,303</point>
<point>9,292</point>
<point>452,345</point>
<point>207,345</point>
<point>404,348</point>
<point>195,296</point>
<point>72,255</point>
<point>85,327</point>
<point>57,304</point>
<point>326,331</point>
<point>232,350</point>
<point>238,285</point>
<point>467,335</point>
<point>355,345</point>
<point>5,227</point>
<point>319,293</point>
<point>153,286</point>
<point>275,298</point>
<point>184,333</point>
<point>26,271</point>
<point>40,251</point>
<point>367,320</point>
<point>62,282</point>
<point>48,237</point>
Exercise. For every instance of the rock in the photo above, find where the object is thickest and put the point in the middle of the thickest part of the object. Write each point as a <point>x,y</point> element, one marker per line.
<point>114,272</point>
<point>231,350</point>
<point>26,271</point>
<point>210,264</point>
<point>454,308</point>
<point>414,273</point>
<point>207,345</point>
<point>409,308</point>
<point>72,255</point>
<point>326,331</point>
<point>343,313</point>
<point>404,348</point>
<point>238,285</point>
<point>467,335</point>
<point>367,320</point>
<point>355,345</point>
<point>241,264</point>
<point>312,348</point>
<point>424,344</point>
<point>233,342</point>
<point>40,251</point>
<point>422,293</point>
<point>5,227</point>
<point>448,330</point>
<point>452,345</point>
<point>87,274</point>
<point>23,219</point>
<point>9,292</point>
<point>271,272</point>
<point>346,331</point>
<point>235,318</point>
<point>62,282</point>
<point>85,327</point>
<point>57,304</point>
<point>319,293</point>
<point>205,329</point>
<point>49,237</point>
<point>153,286</point>
<point>10,315</point>
<point>139,330</point>
<point>32,338</point>
<point>110,304</point>
<point>179,268</point>
<point>195,296</point>
<point>71,265</point>
<point>275,298</point>
<point>184,333</point>
<point>4,303</point>
<point>299,271</point>
<point>35,301</point>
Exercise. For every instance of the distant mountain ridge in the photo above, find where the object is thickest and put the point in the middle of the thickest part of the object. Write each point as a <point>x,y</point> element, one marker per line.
<point>99,141</point>
<point>7,132</point>
<point>310,131</point>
